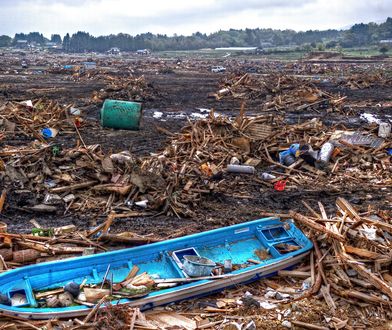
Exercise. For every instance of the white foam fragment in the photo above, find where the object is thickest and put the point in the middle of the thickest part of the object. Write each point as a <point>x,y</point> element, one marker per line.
<point>157,114</point>
<point>267,305</point>
<point>370,118</point>
<point>175,115</point>
<point>198,115</point>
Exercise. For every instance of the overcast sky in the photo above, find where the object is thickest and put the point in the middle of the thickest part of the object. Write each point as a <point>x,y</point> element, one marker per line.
<point>102,17</point>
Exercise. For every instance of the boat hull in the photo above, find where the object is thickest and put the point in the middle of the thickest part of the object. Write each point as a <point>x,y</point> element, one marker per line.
<point>238,242</point>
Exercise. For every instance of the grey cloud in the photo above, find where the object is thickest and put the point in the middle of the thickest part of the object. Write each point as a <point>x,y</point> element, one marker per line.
<point>204,16</point>
<point>220,10</point>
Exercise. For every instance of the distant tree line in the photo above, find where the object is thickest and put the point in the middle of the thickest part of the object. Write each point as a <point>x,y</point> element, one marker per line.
<point>357,36</point>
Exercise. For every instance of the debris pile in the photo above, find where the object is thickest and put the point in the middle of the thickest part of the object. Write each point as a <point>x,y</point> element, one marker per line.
<point>34,118</point>
<point>366,80</point>
<point>217,171</point>
<point>47,244</point>
<point>69,69</point>
<point>197,159</point>
<point>279,92</point>
<point>352,259</point>
<point>349,269</point>
<point>207,156</point>
<point>129,88</point>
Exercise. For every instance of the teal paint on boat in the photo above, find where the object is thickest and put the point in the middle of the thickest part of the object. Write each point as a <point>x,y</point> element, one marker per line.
<point>121,114</point>
<point>238,243</point>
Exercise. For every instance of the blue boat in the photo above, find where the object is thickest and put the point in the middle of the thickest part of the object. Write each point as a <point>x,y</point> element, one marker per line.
<point>283,244</point>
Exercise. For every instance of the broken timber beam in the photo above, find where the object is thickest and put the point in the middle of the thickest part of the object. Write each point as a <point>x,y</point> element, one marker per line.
<point>313,225</point>
<point>346,206</point>
<point>362,252</point>
<point>73,187</point>
<point>372,278</point>
<point>309,325</point>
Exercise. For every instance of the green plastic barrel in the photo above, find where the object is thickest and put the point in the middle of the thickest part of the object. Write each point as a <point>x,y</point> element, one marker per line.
<point>121,114</point>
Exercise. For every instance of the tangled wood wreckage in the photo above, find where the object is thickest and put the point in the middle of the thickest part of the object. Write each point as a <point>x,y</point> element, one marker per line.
<point>129,193</point>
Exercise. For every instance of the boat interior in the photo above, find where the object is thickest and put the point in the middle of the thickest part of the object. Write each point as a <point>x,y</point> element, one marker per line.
<point>163,260</point>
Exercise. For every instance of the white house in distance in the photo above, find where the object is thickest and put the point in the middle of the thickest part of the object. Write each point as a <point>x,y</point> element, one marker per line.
<point>114,51</point>
<point>21,43</point>
<point>89,65</point>
<point>245,50</point>
<point>143,52</point>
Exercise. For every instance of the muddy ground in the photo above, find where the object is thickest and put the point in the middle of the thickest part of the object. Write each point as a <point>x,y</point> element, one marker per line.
<point>179,96</point>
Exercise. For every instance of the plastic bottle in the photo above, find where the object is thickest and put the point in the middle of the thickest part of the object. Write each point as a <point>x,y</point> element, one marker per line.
<point>266,176</point>
<point>48,133</point>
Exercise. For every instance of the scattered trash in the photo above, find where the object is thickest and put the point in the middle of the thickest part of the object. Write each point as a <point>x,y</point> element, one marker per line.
<point>52,199</point>
<point>370,118</point>
<point>267,177</point>
<point>49,133</point>
<point>267,305</point>
<point>289,156</point>
<point>28,103</point>
<point>324,155</point>
<point>234,161</point>
<point>384,130</point>
<point>73,288</point>
<point>74,111</point>
<point>142,204</point>
<point>308,154</point>
<point>18,299</point>
<point>196,266</point>
<point>157,114</point>
<point>280,185</point>
<point>346,285</point>
<point>240,169</point>
<point>360,139</point>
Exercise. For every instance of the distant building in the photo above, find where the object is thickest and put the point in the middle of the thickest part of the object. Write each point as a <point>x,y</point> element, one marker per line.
<point>143,52</point>
<point>266,44</point>
<point>238,49</point>
<point>51,44</point>
<point>386,41</point>
<point>22,43</point>
<point>114,51</point>
<point>89,65</point>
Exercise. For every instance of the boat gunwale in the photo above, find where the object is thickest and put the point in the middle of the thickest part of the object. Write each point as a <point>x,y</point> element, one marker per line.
<point>32,313</point>
<point>136,248</point>
<point>162,293</point>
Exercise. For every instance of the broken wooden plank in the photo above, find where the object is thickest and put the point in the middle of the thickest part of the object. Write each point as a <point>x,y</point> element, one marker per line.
<point>314,225</point>
<point>2,199</point>
<point>72,187</point>
<point>372,278</point>
<point>346,206</point>
<point>40,295</point>
<point>309,325</point>
<point>126,240</point>
<point>192,279</point>
<point>294,273</point>
<point>362,252</point>
<point>327,297</point>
